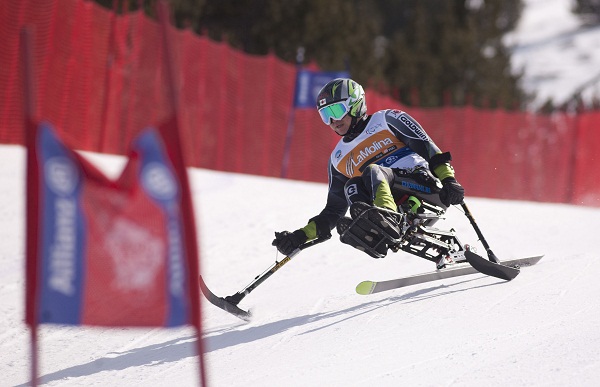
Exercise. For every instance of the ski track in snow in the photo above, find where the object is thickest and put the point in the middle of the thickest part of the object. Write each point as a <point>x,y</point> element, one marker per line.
<point>310,328</point>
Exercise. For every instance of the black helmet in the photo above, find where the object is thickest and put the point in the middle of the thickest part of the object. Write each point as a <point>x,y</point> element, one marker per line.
<point>339,97</point>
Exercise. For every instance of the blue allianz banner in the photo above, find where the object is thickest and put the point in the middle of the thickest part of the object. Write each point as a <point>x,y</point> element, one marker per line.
<point>112,252</point>
<point>308,84</point>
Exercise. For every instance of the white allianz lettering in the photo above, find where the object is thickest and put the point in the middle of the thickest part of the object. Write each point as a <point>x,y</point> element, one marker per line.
<point>176,257</point>
<point>62,251</point>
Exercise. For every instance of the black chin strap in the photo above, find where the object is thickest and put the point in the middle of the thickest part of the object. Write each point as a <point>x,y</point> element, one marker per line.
<point>357,125</point>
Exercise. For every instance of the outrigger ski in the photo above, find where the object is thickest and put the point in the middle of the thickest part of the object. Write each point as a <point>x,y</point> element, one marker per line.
<point>490,268</point>
<point>227,304</point>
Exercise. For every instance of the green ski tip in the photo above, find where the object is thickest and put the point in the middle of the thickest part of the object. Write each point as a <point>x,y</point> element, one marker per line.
<point>365,287</point>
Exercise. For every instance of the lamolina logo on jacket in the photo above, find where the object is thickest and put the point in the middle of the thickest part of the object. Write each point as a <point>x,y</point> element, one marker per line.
<point>365,153</point>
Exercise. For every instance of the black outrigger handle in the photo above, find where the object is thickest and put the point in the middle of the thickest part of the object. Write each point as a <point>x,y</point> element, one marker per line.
<point>237,297</point>
<point>489,251</point>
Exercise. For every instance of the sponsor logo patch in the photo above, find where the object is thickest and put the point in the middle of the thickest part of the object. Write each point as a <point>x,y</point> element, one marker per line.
<point>416,187</point>
<point>390,160</point>
<point>394,113</point>
<point>414,127</point>
<point>352,189</point>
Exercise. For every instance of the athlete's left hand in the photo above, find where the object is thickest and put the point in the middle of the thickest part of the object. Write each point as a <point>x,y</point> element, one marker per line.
<point>452,192</point>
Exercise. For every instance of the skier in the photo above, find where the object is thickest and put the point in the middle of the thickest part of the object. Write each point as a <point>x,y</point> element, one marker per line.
<point>397,183</point>
<point>366,167</point>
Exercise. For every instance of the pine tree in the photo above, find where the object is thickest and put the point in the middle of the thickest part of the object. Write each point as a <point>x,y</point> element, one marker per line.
<point>588,10</point>
<point>439,46</point>
<point>427,48</point>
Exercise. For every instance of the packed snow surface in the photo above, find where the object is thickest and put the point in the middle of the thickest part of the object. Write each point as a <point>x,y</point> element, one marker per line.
<point>310,328</point>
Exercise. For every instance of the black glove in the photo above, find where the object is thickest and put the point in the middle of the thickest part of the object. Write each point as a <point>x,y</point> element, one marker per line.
<point>451,192</point>
<point>286,242</point>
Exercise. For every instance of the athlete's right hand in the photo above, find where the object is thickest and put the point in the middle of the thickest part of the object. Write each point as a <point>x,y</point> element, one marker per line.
<point>287,242</point>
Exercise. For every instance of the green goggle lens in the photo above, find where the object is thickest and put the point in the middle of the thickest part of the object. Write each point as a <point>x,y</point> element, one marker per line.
<point>336,111</point>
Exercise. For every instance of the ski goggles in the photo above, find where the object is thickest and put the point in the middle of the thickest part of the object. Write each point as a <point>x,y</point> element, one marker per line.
<point>335,111</point>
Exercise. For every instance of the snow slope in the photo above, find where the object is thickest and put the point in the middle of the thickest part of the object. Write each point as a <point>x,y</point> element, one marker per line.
<point>310,328</point>
<point>558,53</point>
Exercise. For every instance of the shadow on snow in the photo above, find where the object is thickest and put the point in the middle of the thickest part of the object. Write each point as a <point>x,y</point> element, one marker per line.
<point>182,348</point>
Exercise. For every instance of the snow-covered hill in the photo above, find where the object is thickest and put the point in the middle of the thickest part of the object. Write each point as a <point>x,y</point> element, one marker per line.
<point>310,327</point>
<point>558,52</point>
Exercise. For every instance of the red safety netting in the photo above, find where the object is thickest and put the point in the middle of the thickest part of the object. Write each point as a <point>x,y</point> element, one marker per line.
<point>100,79</point>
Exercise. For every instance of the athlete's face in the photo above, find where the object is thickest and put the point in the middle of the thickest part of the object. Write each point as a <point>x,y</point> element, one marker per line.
<point>342,126</point>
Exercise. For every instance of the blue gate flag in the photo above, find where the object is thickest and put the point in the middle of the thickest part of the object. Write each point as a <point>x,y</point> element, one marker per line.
<point>110,252</point>
<point>308,84</point>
